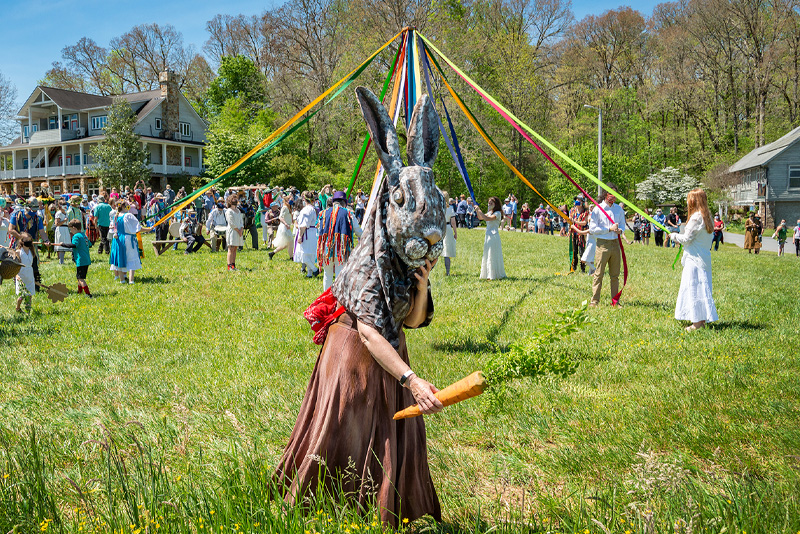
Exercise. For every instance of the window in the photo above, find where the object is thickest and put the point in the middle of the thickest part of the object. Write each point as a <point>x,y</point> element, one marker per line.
<point>186,129</point>
<point>57,189</point>
<point>25,132</point>
<point>92,188</point>
<point>25,163</point>
<point>69,160</point>
<point>53,123</point>
<point>76,187</point>
<point>76,158</point>
<point>98,123</point>
<point>187,161</point>
<point>60,161</point>
<point>794,177</point>
<point>158,123</point>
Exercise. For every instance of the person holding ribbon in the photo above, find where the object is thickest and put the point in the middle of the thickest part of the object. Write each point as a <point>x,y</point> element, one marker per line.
<point>695,301</point>
<point>306,244</point>
<point>606,224</point>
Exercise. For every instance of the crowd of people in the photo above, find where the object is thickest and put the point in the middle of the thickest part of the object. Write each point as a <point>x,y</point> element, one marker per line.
<point>316,229</point>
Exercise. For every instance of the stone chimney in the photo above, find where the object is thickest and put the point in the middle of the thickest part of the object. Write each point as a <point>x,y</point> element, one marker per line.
<point>170,108</point>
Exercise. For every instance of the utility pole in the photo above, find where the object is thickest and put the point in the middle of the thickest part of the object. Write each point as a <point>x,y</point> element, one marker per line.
<point>599,147</point>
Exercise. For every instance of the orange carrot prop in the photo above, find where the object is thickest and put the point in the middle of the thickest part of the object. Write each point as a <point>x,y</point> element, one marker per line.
<point>466,388</point>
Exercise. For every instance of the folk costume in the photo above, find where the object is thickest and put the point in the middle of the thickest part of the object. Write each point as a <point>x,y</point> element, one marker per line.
<point>335,242</point>
<point>492,267</point>
<point>345,422</point>
<point>306,242</point>
<point>283,236</point>
<point>695,301</point>
<point>124,255</point>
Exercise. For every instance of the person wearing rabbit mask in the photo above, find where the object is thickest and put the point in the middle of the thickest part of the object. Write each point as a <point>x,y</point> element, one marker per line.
<point>362,375</point>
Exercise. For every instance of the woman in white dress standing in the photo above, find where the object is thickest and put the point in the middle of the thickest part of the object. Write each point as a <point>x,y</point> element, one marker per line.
<point>235,232</point>
<point>283,237</point>
<point>61,232</point>
<point>449,250</point>
<point>124,256</point>
<point>695,301</point>
<point>306,243</point>
<point>492,263</point>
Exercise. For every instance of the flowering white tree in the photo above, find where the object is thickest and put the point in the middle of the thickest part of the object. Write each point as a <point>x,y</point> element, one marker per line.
<point>667,185</point>
<point>8,108</point>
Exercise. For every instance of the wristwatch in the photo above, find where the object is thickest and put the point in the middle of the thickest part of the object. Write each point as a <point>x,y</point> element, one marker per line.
<point>406,377</point>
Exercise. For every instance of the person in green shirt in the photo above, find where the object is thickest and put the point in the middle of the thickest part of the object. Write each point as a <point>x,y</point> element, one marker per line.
<point>80,254</point>
<point>324,196</point>
<point>780,233</point>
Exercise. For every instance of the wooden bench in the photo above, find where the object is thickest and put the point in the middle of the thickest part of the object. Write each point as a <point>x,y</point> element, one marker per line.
<point>161,246</point>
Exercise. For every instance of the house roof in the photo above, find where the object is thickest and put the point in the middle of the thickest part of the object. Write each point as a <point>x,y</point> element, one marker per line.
<point>764,154</point>
<point>65,98</point>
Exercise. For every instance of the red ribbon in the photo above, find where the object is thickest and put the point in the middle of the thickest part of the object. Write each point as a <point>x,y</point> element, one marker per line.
<point>615,298</point>
<point>321,314</point>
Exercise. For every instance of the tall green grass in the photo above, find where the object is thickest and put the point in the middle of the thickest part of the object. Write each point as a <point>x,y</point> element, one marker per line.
<point>155,404</point>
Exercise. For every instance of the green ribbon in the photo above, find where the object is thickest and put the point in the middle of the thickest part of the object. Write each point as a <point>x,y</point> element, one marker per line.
<point>365,145</point>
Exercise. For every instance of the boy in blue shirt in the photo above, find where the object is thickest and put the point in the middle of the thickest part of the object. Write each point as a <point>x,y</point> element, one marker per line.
<point>80,255</point>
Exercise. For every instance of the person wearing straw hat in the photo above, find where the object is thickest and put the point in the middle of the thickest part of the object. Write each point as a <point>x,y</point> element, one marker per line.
<point>74,211</point>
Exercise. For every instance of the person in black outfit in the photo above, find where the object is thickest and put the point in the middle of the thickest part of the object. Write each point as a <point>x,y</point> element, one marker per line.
<point>249,212</point>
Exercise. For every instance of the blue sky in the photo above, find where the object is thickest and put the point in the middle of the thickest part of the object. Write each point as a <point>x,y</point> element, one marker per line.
<point>34,31</point>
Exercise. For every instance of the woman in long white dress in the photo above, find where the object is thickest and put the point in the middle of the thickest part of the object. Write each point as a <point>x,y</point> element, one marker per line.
<point>124,256</point>
<point>450,236</point>
<point>306,242</point>
<point>695,301</point>
<point>234,235</point>
<point>61,232</point>
<point>283,237</point>
<point>492,263</point>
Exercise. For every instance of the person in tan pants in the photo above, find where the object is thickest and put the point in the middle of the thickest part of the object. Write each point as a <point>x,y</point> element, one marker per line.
<point>608,253</point>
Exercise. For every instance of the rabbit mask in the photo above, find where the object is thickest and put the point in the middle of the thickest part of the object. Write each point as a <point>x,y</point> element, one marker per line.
<point>415,220</point>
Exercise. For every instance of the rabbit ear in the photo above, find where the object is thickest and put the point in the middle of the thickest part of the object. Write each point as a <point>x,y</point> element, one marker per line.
<point>423,134</point>
<point>381,129</point>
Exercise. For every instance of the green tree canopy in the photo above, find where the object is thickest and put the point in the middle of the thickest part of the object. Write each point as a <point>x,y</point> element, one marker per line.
<point>121,158</point>
<point>239,78</point>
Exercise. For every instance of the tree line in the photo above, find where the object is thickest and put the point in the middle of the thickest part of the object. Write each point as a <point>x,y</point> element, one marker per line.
<point>693,85</point>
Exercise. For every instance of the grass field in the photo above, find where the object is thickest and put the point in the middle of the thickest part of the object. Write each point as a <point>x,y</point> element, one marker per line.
<point>162,406</point>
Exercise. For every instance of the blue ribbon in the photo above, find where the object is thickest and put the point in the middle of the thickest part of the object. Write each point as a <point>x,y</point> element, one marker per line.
<point>455,150</point>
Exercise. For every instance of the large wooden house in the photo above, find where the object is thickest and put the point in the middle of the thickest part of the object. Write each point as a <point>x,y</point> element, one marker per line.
<point>770,180</point>
<point>58,128</point>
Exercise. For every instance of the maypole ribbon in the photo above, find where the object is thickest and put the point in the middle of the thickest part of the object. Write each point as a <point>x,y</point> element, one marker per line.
<point>394,112</point>
<point>488,139</point>
<point>452,147</point>
<point>614,298</point>
<point>541,139</point>
<point>260,149</point>
<point>367,139</point>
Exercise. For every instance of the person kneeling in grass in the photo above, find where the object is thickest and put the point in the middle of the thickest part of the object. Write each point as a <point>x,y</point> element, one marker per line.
<point>80,254</point>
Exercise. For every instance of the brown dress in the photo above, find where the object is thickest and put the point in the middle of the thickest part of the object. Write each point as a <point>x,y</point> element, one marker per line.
<point>346,418</point>
<point>751,233</point>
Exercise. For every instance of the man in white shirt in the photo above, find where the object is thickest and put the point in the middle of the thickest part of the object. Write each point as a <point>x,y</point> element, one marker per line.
<point>216,224</point>
<point>606,233</point>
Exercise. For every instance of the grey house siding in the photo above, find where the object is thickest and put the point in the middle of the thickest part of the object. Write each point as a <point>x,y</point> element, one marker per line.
<point>778,177</point>
<point>187,114</point>
<point>789,210</point>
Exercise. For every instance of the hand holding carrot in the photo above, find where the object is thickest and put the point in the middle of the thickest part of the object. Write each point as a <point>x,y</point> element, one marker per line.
<point>423,392</point>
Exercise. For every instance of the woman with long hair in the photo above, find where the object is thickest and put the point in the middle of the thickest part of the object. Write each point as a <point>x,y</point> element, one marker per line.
<point>695,301</point>
<point>492,267</point>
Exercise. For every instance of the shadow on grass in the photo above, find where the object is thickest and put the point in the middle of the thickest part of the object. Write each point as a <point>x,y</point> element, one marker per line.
<point>490,344</point>
<point>661,306</point>
<point>742,325</point>
<point>22,325</point>
<point>153,279</point>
